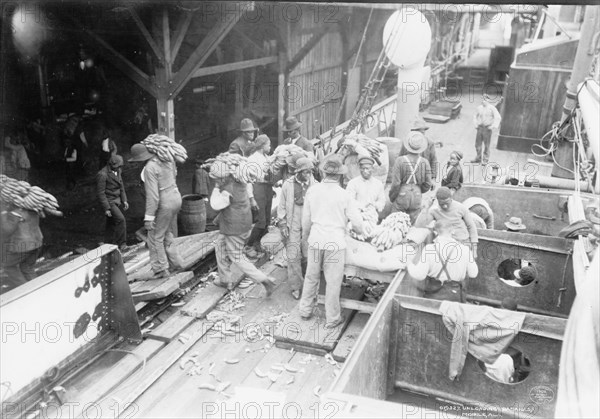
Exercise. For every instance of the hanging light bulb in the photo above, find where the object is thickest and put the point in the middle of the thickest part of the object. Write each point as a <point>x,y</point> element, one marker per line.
<point>82,64</point>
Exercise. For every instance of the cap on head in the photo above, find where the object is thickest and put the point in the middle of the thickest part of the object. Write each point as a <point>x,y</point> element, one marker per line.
<point>115,161</point>
<point>303,163</point>
<point>334,165</point>
<point>443,193</point>
<point>526,274</point>
<point>458,154</point>
<point>366,160</point>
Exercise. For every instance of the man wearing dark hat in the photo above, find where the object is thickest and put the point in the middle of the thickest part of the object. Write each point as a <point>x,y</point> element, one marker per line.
<point>292,128</point>
<point>244,143</point>
<point>430,154</point>
<point>366,189</point>
<point>411,177</point>
<point>163,202</point>
<point>456,214</point>
<point>327,210</point>
<point>111,194</point>
<point>289,214</point>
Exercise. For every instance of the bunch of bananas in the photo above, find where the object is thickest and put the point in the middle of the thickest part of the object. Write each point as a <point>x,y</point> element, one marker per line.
<point>283,153</point>
<point>370,219</point>
<point>165,148</point>
<point>232,164</point>
<point>32,198</point>
<point>363,145</point>
<point>391,231</point>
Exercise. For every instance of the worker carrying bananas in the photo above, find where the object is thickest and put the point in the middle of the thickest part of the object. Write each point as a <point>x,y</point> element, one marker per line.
<point>365,189</point>
<point>21,242</point>
<point>111,194</point>
<point>411,177</point>
<point>163,202</point>
<point>244,144</point>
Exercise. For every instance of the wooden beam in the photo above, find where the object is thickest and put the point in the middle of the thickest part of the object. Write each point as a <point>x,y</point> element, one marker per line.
<point>180,32</point>
<point>314,40</point>
<point>240,65</point>
<point>206,47</point>
<point>146,34</point>
<point>166,41</point>
<point>121,63</point>
<point>361,306</point>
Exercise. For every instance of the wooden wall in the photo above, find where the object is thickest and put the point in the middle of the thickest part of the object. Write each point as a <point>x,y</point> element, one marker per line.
<point>535,93</point>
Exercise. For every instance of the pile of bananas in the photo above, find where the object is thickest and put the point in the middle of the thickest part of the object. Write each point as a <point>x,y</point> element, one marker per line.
<point>232,164</point>
<point>370,219</point>
<point>165,148</point>
<point>391,231</point>
<point>283,153</point>
<point>23,195</point>
<point>363,145</point>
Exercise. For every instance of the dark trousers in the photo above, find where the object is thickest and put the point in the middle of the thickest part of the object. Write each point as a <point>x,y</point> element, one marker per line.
<point>482,140</point>
<point>19,267</point>
<point>263,193</point>
<point>116,228</point>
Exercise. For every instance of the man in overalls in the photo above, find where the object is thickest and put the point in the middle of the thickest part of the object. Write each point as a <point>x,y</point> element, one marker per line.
<point>411,177</point>
<point>443,265</point>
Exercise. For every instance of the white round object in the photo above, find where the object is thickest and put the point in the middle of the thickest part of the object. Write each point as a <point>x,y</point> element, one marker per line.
<point>407,37</point>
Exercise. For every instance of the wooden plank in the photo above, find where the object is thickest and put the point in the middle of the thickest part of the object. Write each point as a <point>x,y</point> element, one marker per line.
<point>101,386</point>
<point>436,118</point>
<point>162,288</point>
<point>199,307</point>
<point>350,336</point>
<point>129,390</point>
<point>239,65</point>
<point>360,306</point>
<point>312,333</point>
<point>307,350</point>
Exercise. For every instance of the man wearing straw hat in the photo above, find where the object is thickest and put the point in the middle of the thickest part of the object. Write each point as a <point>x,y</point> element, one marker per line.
<point>230,197</point>
<point>163,202</point>
<point>411,177</point>
<point>327,210</point>
<point>419,125</point>
<point>292,126</point>
<point>244,143</point>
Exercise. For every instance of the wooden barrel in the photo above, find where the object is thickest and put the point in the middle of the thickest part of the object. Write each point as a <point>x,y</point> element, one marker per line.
<point>192,215</point>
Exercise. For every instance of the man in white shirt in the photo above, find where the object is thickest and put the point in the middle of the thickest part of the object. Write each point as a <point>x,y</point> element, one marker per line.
<point>365,189</point>
<point>327,210</point>
<point>443,265</point>
<point>486,118</point>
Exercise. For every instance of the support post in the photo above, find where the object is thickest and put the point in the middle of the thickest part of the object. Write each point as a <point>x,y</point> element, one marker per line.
<point>282,106</point>
<point>166,115</point>
<point>409,98</point>
<point>239,84</point>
